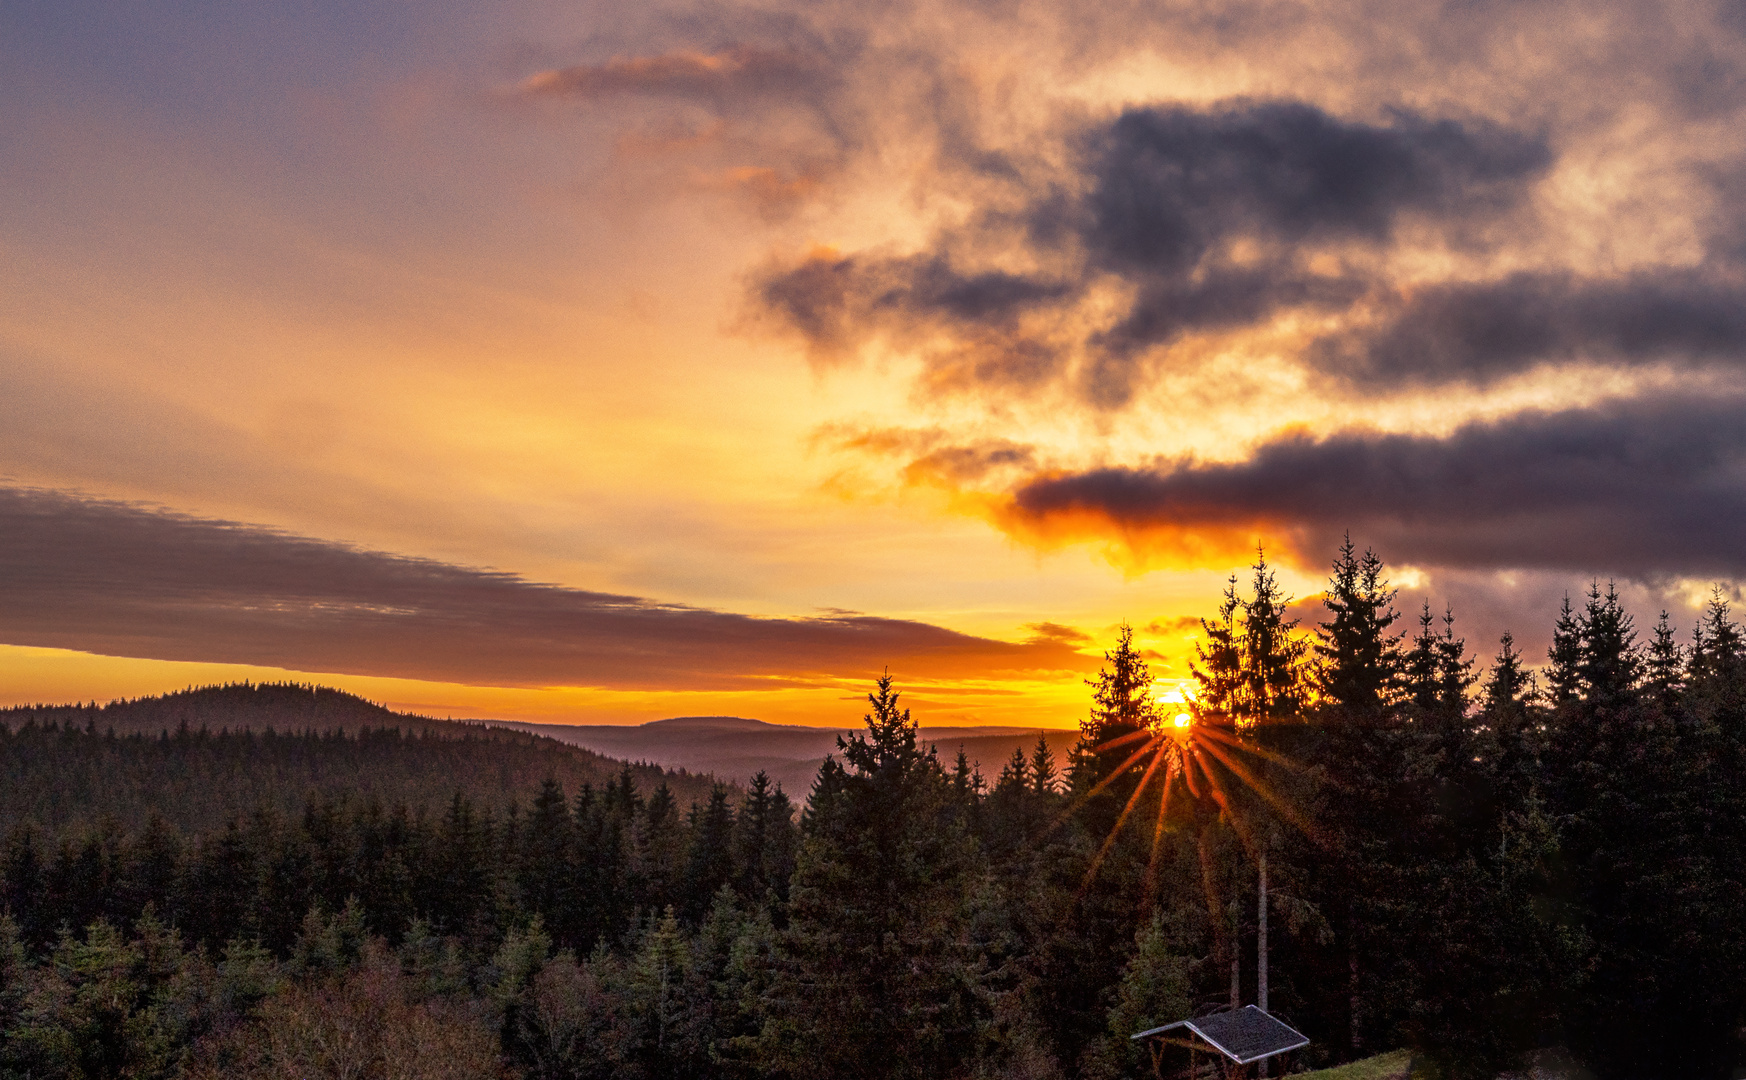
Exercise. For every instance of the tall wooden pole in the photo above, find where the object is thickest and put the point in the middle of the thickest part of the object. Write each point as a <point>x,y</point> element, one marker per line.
<point>1236,953</point>
<point>1261,949</point>
<point>1261,938</point>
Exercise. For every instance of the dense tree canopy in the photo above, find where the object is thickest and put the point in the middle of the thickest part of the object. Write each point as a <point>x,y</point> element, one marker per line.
<point>1474,862</point>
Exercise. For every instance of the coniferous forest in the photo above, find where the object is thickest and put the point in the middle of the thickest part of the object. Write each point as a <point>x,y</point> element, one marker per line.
<point>1467,852</point>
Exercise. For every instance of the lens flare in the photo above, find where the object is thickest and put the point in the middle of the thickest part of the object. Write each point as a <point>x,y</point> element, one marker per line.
<point>1187,748</point>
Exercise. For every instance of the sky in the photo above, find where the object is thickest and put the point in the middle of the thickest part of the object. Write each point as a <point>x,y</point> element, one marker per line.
<point>596,363</point>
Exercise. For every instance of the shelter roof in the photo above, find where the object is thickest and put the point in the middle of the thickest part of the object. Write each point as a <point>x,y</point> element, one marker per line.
<point>1243,1035</point>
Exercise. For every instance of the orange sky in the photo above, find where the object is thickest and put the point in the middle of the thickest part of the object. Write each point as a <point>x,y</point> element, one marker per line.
<point>565,362</point>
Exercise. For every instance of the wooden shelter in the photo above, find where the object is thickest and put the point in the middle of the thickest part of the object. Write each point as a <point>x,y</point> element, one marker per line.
<point>1236,1039</point>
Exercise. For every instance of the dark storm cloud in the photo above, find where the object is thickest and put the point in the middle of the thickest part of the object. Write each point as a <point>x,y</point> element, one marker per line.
<point>1478,332</point>
<point>1169,185</point>
<point>1655,487</point>
<point>118,579</point>
<point>1209,219</point>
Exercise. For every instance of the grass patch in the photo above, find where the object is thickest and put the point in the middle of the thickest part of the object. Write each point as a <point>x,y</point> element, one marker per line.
<point>1394,1065</point>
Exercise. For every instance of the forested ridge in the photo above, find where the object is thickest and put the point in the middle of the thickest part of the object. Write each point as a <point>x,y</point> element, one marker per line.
<point>200,758</point>
<point>1469,858</point>
<point>286,707</point>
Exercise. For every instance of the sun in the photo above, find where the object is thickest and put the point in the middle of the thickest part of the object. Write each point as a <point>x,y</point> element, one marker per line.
<point>1184,750</point>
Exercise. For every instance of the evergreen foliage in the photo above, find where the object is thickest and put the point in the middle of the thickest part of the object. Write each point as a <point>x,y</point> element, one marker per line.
<point>1457,862</point>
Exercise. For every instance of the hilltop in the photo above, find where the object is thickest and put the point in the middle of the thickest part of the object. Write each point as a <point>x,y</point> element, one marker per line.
<point>282,707</point>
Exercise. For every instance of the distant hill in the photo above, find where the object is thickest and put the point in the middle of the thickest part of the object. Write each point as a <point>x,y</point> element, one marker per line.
<point>735,747</point>
<point>283,707</point>
<point>201,757</point>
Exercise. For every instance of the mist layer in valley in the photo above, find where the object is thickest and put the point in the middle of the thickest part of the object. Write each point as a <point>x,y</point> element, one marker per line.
<point>736,748</point>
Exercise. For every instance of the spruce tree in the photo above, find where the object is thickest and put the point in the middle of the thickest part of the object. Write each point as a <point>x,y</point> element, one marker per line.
<point>1122,712</point>
<point>1218,670</point>
<point>1009,818</point>
<point>1121,693</point>
<point>1359,751</point>
<point>1608,665</point>
<point>1014,775</point>
<point>1155,989</point>
<point>1716,666</point>
<point>1664,667</point>
<point>1509,736</point>
<point>1420,677</point>
<point>547,872</point>
<point>604,825</point>
<point>1509,687</point>
<point>1455,675</point>
<point>1358,653</point>
<point>870,985</point>
<point>461,878</point>
<point>1043,773</point>
<point>1274,685</point>
<point>710,861</point>
<point>964,784</point>
<point>1631,795</point>
<point>660,851</point>
<point>762,844</point>
<point>1564,658</point>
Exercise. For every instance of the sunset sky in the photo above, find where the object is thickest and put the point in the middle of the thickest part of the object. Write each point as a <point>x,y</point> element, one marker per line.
<point>600,362</point>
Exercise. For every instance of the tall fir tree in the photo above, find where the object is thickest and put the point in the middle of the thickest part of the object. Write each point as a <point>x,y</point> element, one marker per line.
<point>871,986</point>
<point>1664,667</point>
<point>1609,665</point>
<point>764,842</point>
<point>1455,676</point>
<point>1358,750</point>
<point>1043,772</point>
<point>1274,684</point>
<point>1509,736</point>
<point>1218,664</point>
<point>1359,653</point>
<point>710,860</point>
<point>1122,711</point>
<point>1564,658</point>
<point>1419,676</point>
<point>1716,666</point>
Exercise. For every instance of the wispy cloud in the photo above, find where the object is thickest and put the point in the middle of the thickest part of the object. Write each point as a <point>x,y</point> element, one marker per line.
<point>733,72</point>
<point>109,577</point>
<point>771,117</point>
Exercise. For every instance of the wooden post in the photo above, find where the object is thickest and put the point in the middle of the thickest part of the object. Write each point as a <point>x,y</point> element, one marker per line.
<point>1236,950</point>
<point>1261,953</point>
<point>1236,972</point>
<point>1355,1002</point>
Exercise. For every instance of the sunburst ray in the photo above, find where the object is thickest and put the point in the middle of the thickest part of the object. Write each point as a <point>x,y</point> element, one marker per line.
<point>1133,801</point>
